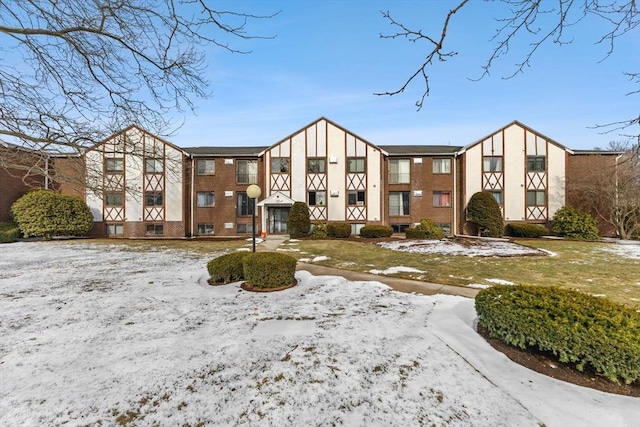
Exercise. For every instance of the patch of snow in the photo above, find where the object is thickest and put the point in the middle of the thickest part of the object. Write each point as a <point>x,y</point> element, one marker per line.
<point>630,251</point>
<point>258,240</point>
<point>243,249</point>
<point>550,253</point>
<point>395,270</point>
<point>478,286</point>
<point>90,332</point>
<point>288,250</point>
<point>500,281</point>
<point>449,247</point>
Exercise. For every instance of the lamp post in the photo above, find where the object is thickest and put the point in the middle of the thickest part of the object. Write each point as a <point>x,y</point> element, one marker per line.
<point>253,192</point>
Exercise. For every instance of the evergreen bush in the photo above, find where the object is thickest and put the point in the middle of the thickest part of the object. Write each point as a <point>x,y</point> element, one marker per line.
<point>574,224</point>
<point>431,230</point>
<point>579,329</point>
<point>484,212</point>
<point>526,230</point>
<point>373,231</point>
<point>44,213</point>
<point>319,230</point>
<point>9,232</point>
<point>298,223</point>
<point>339,230</point>
<point>269,269</point>
<point>226,268</point>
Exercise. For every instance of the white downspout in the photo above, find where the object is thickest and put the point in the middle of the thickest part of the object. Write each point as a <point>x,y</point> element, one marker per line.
<point>193,184</point>
<point>454,229</point>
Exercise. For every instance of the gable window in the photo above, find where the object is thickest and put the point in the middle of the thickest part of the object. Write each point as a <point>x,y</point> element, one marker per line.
<point>244,205</point>
<point>492,164</point>
<point>246,171</point>
<point>536,198</point>
<point>316,166</point>
<point>114,165</point>
<point>153,166</point>
<point>355,165</point>
<point>441,199</point>
<point>115,229</point>
<point>497,194</point>
<point>206,199</point>
<point>398,203</point>
<point>399,171</point>
<point>317,198</point>
<point>206,167</point>
<point>355,198</point>
<point>153,198</point>
<point>204,229</point>
<point>154,230</point>
<point>279,165</point>
<point>113,199</point>
<point>441,166</point>
<point>536,163</point>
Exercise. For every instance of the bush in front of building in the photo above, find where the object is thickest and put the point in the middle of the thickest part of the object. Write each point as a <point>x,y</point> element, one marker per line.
<point>268,270</point>
<point>526,230</point>
<point>226,268</point>
<point>319,230</point>
<point>298,222</point>
<point>9,232</point>
<point>574,224</point>
<point>582,330</point>
<point>376,230</point>
<point>483,211</point>
<point>340,230</point>
<point>427,229</point>
<point>45,213</point>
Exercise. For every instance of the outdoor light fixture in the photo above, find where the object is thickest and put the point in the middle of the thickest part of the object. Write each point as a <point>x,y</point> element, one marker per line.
<point>253,192</point>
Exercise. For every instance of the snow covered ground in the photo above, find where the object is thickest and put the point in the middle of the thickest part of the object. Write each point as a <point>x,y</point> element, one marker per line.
<point>473,248</point>
<point>99,334</point>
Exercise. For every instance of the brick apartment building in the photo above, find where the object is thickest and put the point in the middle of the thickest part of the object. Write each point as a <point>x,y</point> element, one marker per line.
<point>139,185</point>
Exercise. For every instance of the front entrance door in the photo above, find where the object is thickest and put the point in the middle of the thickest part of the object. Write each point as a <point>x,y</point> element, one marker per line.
<point>278,220</point>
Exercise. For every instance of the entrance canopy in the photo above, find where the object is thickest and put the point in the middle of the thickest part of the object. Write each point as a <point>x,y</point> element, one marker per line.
<point>277,199</point>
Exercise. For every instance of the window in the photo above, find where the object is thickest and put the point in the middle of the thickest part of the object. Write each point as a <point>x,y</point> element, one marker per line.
<point>316,166</point>
<point>279,165</point>
<point>154,230</point>
<point>497,194</point>
<point>536,198</point>
<point>441,198</point>
<point>317,198</point>
<point>115,229</point>
<point>355,198</point>
<point>246,171</point>
<point>446,227</point>
<point>492,164</point>
<point>245,228</point>
<point>205,167</point>
<point>205,229</point>
<point>153,198</point>
<point>441,166</point>
<point>245,204</point>
<point>399,171</point>
<point>355,164</point>
<point>398,203</point>
<point>536,163</point>
<point>206,199</point>
<point>355,228</point>
<point>114,165</point>
<point>400,228</point>
<point>153,165</point>
<point>113,199</point>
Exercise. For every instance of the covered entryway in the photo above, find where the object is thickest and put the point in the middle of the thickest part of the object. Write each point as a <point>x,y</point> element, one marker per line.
<point>275,213</point>
<point>278,220</point>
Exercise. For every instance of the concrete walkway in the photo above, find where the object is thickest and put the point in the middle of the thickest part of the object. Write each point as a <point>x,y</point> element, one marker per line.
<point>271,244</point>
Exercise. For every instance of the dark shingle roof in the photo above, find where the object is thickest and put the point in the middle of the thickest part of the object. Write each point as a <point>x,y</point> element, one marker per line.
<point>225,151</point>
<point>420,150</point>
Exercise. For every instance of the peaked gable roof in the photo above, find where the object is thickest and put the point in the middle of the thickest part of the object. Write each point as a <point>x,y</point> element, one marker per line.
<point>141,130</point>
<point>521,125</point>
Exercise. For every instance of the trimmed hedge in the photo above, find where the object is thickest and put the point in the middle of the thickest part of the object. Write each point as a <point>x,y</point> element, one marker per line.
<point>574,224</point>
<point>269,269</point>
<point>373,231</point>
<point>484,212</point>
<point>339,230</point>
<point>587,331</point>
<point>526,230</point>
<point>9,232</point>
<point>319,230</point>
<point>226,268</point>
<point>427,229</point>
<point>45,213</point>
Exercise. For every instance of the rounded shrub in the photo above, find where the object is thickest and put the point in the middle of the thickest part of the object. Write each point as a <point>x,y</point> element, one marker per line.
<point>269,269</point>
<point>339,230</point>
<point>9,232</point>
<point>319,230</point>
<point>298,222</point>
<point>574,224</point>
<point>590,332</point>
<point>431,229</point>
<point>373,231</point>
<point>44,213</point>
<point>226,268</point>
<point>484,212</point>
<point>526,230</point>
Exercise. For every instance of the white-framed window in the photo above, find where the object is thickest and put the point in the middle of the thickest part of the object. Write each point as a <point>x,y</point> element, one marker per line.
<point>245,228</point>
<point>356,164</point>
<point>153,198</point>
<point>355,228</point>
<point>317,198</point>
<point>441,199</point>
<point>279,165</point>
<point>206,199</point>
<point>492,164</point>
<point>399,171</point>
<point>244,206</point>
<point>398,203</point>
<point>536,163</point>
<point>115,229</point>
<point>441,166</point>
<point>154,229</point>
<point>206,167</point>
<point>497,194</point>
<point>316,165</point>
<point>113,199</point>
<point>204,229</point>
<point>115,165</point>
<point>355,198</point>
<point>246,171</point>
<point>536,198</point>
<point>153,165</point>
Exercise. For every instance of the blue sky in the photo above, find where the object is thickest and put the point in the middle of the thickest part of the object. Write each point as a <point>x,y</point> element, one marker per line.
<point>328,59</point>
